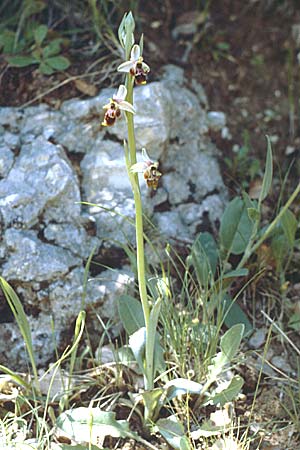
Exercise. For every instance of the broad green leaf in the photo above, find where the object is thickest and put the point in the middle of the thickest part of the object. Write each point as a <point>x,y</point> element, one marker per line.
<point>131,313</point>
<point>280,249</point>
<point>233,314</point>
<point>153,402</point>
<point>268,175</point>
<point>231,341</point>
<point>137,342</point>
<point>229,393</point>
<point>294,322</point>
<point>53,48</point>
<point>229,344</point>
<point>21,61</point>
<point>236,227</point>
<point>7,40</point>
<point>45,69</point>
<point>289,224</point>
<point>173,432</point>
<point>58,62</point>
<point>207,429</point>
<point>84,425</point>
<point>40,33</point>
<point>204,257</point>
<point>182,386</point>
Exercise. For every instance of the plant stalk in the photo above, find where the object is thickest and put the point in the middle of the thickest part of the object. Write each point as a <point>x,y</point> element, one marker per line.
<point>139,235</point>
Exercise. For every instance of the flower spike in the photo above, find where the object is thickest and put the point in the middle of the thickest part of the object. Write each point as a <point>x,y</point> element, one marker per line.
<point>135,66</point>
<point>115,106</point>
<point>149,169</point>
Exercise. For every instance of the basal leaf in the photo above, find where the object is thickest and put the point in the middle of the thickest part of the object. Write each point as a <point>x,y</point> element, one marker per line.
<point>131,313</point>
<point>236,227</point>
<point>229,393</point>
<point>173,432</point>
<point>85,425</point>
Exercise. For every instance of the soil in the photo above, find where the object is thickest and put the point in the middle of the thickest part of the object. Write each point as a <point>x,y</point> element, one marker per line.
<point>246,55</point>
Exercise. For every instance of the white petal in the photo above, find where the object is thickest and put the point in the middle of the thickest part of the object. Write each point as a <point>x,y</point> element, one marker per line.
<point>139,167</point>
<point>145,155</point>
<point>135,53</point>
<point>121,94</point>
<point>125,66</point>
<point>126,106</point>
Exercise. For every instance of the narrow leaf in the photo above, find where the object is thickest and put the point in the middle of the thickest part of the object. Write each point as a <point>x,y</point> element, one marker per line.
<point>289,224</point>
<point>243,272</point>
<point>153,320</point>
<point>268,175</point>
<point>22,322</point>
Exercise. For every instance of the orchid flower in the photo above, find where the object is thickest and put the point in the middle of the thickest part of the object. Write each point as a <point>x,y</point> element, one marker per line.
<point>135,66</point>
<point>149,170</point>
<point>115,106</point>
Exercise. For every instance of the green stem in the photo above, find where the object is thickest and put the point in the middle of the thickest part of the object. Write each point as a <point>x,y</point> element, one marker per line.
<point>139,235</point>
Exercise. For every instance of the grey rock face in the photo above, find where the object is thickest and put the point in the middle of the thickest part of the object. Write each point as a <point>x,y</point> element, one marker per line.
<point>41,182</point>
<point>64,193</point>
<point>6,160</point>
<point>32,260</point>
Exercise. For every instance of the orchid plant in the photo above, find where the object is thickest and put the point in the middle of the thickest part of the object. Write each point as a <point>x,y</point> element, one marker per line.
<point>136,71</point>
